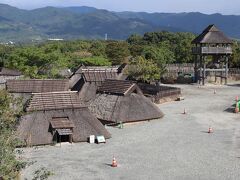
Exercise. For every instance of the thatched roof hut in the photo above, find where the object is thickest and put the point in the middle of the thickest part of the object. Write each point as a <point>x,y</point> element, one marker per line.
<point>122,101</point>
<point>58,116</point>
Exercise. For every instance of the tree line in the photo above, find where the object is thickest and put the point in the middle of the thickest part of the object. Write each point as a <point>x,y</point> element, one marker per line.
<point>154,49</point>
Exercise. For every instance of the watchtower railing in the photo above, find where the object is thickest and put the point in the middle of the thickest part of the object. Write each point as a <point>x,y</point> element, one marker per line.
<point>212,50</point>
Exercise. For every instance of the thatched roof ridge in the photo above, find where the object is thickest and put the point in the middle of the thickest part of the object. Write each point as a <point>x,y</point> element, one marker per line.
<point>54,100</point>
<point>34,128</point>
<point>37,85</point>
<point>117,68</point>
<point>119,87</point>
<point>212,35</point>
<point>9,72</point>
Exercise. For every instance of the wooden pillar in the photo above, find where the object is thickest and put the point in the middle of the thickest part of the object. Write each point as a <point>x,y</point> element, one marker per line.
<point>195,68</point>
<point>200,70</point>
<point>60,140</point>
<point>221,72</point>
<point>70,138</point>
<point>226,69</point>
<point>204,71</point>
<point>215,76</point>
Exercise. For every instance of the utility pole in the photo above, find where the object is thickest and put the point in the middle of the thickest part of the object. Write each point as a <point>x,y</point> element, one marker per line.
<point>106,37</point>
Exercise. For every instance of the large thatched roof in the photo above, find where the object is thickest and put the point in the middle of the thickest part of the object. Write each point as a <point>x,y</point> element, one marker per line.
<point>36,128</point>
<point>126,105</point>
<point>37,85</point>
<point>212,35</point>
<point>54,100</point>
<point>114,108</point>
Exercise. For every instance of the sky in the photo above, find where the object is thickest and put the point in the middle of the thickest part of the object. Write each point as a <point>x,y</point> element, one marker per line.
<point>204,6</point>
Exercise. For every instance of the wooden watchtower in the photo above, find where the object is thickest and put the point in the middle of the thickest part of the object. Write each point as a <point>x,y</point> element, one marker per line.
<point>211,43</point>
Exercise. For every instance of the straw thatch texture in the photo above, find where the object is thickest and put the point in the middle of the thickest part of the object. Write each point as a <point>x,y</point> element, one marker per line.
<point>119,87</point>
<point>115,108</point>
<point>54,100</point>
<point>88,92</point>
<point>37,85</point>
<point>35,128</point>
<point>212,35</point>
<point>61,122</point>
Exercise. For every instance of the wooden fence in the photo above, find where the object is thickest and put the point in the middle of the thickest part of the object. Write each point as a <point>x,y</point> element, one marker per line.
<point>173,70</point>
<point>157,93</point>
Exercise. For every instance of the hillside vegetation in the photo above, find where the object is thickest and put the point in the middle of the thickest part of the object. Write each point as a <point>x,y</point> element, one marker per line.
<point>53,59</point>
<point>19,25</point>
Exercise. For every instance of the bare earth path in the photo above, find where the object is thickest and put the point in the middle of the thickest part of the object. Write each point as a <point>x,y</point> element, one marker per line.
<point>175,147</point>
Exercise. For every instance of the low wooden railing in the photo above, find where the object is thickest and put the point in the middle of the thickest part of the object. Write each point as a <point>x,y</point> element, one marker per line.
<point>212,50</point>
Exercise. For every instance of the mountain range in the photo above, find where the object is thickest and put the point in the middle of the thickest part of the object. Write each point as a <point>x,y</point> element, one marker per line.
<point>83,22</point>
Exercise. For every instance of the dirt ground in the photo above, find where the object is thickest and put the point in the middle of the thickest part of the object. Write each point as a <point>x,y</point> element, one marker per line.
<point>174,147</point>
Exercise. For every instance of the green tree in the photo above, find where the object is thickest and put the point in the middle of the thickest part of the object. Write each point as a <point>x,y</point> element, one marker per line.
<point>93,61</point>
<point>135,39</point>
<point>144,70</point>
<point>4,52</point>
<point>161,55</point>
<point>183,48</point>
<point>136,50</point>
<point>98,48</point>
<point>117,52</point>
<point>9,165</point>
<point>235,58</point>
<point>37,62</point>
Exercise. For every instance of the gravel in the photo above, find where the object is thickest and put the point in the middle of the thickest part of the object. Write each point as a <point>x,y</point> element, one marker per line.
<point>174,147</point>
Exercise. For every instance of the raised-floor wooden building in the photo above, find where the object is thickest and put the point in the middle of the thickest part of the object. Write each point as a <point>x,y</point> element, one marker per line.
<point>211,43</point>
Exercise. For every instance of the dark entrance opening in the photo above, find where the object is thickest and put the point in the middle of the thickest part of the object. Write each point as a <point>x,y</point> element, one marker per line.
<point>64,135</point>
<point>63,138</point>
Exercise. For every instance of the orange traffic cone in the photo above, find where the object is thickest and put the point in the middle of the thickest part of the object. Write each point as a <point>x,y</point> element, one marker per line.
<point>210,130</point>
<point>114,162</point>
<point>237,108</point>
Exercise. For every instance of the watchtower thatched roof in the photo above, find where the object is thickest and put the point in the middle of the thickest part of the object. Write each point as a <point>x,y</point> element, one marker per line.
<point>112,105</point>
<point>212,35</point>
<point>37,85</point>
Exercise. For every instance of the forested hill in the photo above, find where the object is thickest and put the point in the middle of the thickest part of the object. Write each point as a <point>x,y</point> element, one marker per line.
<point>87,22</point>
